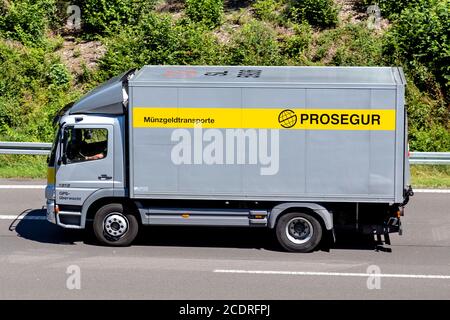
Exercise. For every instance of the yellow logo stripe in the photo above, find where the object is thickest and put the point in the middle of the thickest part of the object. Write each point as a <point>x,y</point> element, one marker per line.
<point>259,118</point>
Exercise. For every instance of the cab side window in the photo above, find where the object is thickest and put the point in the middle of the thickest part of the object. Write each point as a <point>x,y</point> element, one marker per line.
<point>86,144</point>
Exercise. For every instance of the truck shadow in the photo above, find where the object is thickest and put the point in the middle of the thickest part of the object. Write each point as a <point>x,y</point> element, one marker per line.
<point>357,241</point>
<point>32,225</point>
<point>245,238</point>
<point>179,236</point>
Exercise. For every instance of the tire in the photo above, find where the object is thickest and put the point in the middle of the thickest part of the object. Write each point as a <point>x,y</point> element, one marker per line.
<point>115,225</point>
<point>298,232</point>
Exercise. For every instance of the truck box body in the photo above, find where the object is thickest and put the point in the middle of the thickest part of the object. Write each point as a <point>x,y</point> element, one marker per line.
<point>337,134</point>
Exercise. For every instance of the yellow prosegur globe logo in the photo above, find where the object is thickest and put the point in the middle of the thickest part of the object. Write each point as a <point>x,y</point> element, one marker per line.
<point>287,118</point>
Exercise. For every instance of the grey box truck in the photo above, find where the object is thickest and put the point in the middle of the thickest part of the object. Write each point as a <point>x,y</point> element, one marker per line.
<point>301,150</point>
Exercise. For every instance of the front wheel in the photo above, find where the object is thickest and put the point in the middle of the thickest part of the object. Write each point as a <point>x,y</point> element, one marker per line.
<point>298,232</point>
<point>115,226</point>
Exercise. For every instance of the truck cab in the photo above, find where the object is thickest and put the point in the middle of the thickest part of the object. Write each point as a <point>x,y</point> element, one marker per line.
<point>87,157</point>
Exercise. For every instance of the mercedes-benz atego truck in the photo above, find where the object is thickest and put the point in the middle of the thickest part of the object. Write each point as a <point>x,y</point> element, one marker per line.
<point>300,150</point>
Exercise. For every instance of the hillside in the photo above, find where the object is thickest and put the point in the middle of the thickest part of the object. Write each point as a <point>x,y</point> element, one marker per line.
<point>49,57</point>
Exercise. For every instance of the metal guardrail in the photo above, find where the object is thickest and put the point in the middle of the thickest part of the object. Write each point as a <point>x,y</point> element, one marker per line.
<point>429,158</point>
<point>39,148</point>
<point>31,148</point>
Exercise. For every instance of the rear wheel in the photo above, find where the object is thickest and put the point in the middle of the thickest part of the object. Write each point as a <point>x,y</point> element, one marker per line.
<point>298,232</point>
<point>115,225</point>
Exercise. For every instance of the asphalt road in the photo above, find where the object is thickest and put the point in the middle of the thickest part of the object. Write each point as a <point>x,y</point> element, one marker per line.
<point>40,261</point>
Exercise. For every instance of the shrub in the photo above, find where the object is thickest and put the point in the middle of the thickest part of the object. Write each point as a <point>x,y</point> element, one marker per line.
<point>428,120</point>
<point>389,8</point>
<point>21,68</point>
<point>358,46</point>
<point>255,44</point>
<point>33,87</point>
<point>433,139</point>
<point>266,9</point>
<point>59,76</point>
<point>159,40</point>
<point>421,33</point>
<point>349,45</point>
<point>208,12</point>
<point>319,13</point>
<point>152,41</point>
<point>105,16</point>
<point>197,45</point>
<point>26,20</point>
<point>296,44</point>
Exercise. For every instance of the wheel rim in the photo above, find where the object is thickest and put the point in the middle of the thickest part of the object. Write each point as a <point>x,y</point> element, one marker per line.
<point>115,226</point>
<point>299,230</point>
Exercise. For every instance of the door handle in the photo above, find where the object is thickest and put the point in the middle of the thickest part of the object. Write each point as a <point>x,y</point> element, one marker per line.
<point>104,177</point>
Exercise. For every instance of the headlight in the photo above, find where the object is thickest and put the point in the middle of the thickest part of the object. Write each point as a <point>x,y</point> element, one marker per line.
<point>50,192</point>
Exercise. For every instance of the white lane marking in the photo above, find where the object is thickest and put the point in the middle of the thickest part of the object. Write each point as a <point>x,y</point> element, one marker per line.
<point>337,274</point>
<point>432,190</point>
<point>22,186</point>
<point>10,217</point>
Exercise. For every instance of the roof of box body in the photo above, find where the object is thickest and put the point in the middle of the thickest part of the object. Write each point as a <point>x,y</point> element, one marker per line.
<point>267,75</point>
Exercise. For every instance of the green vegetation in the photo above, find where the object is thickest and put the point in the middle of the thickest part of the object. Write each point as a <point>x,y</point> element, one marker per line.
<point>109,16</point>
<point>348,45</point>
<point>208,12</point>
<point>254,44</point>
<point>23,166</point>
<point>390,8</point>
<point>268,10</point>
<point>45,66</point>
<point>26,20</point>
<point>319,13</point>
<point>421,38</point>
<point>158,39</point>
<point>34,85</point>
<point>295,45</point>
<point>426,176</point>
<point>419,41</point>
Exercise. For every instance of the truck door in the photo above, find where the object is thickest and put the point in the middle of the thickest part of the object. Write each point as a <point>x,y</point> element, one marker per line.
<point>86,164</point>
